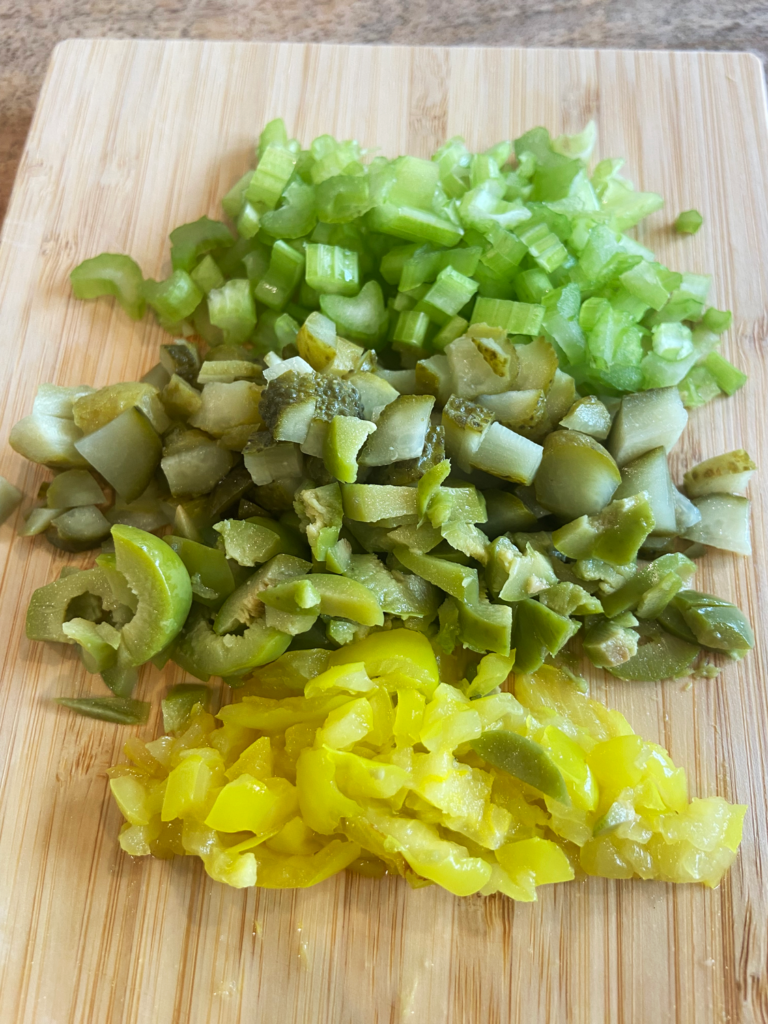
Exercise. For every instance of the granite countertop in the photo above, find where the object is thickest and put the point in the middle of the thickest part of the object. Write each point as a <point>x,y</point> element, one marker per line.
<point>29,29</point>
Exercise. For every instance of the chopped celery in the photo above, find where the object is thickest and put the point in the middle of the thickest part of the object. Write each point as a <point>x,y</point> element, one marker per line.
<point>111,274</point>
<point>688,222</point>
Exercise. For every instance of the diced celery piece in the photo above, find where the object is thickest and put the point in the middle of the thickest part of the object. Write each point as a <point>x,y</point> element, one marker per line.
<point>688,222</point>
<point>174,298</point>
<point>727,377</point>
<point>450,293</point>
<point>111,274</point>
<point>286,266</point>
<point>270,177</point>
<point>362,317</point>
<point>514,317</point>
<point>232,308</point>
<point>332,270</point>
<point>413,224</point>
<point>191,241</point>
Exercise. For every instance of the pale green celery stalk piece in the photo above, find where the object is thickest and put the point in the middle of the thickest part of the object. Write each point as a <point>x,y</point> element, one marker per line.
<point>175,298</point>
<point>286,266</point>
<point>450,293</point>
<point>505,253</point>
<point>455,327</point>
<point>233,201</point>
<point>360,318</point>
<point>411,330</point>
<point>543,245</point>
<point>332,270</point>
<point>425,266</point>
<point>191,241</point>
<point>274,133</point>
<point>513,317</point>
<point>413,224</point>
<point>295,217</point>
<point>727,377</point>
<point>111,274</point>
<point>207,275</point>
<point>270,178</point>
<point>248,221</point>
<point>343,198</point>
<point>10,499</point>
<point>717,320</point>
<point>688,222</point>
<point>232,308</point>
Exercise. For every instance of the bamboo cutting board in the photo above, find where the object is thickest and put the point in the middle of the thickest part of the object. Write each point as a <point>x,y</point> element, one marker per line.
<point>132,138</point>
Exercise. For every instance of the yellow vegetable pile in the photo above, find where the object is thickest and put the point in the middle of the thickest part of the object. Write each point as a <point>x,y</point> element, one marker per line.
<point>362,759</point>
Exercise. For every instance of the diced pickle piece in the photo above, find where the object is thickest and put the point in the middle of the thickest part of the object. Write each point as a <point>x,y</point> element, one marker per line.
<point>267,460</point>
<point>126,451</point>
<point>72,488</point>
<point>255,540</point>
<point>628,596</point>
<point>714,622</point>
<point>49,440</point>
<point>224,406</point>
<point>10,499</point>
<point>180,399</point>
<point>577,475</point>
<point>660,656</point>
<point>79,529</point>
<point>647,420</point>
<point>725,523</point>
<point>589,416</point>
<point>649,474</point>
<point>526,760</point>
<point>182,358</point>
<point>465,424</point>
<point>195,468</point>
<point>209,571</point>
<point>506,513</point>
<point>336,596</point>
<point>607,644</point>
<point>507,455</point>
<point>724,474</point>
<point>401,430</point>
<point>369,503</point>
<point>517,409</point>
<point>375,393</point>
<point>614,535</point>
<point>96,409</point>
<point>346,436</point>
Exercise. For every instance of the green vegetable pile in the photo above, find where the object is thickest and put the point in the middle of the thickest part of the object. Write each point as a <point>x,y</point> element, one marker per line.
<point>433,393</point>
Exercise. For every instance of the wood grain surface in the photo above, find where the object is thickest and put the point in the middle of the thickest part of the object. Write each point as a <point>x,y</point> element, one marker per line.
<point>132,138</point>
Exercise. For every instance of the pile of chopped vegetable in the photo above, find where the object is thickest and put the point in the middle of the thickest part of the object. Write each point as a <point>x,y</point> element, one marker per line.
<point>362,759</point>
<point>417,405</point>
